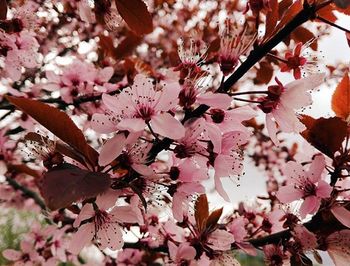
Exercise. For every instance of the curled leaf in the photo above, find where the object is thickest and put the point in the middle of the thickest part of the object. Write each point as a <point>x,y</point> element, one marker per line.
<point>64,184</point>
<point>341,98</point>
<point>136,15</point>
<point>59,123</point>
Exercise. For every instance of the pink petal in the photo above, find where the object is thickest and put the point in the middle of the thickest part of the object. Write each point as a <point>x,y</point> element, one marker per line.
<point>110,236</point>
<point>185,252</point>
<point>309,206</point>
<point>342,215</point>
<point>102,123</point>
<point>220,240</point>
<point>220,189</point>
<point>272,129</point>
<point>143,169</point>
<point>111,149</point>
<point>316,168</point>
<point>86,212</point>
<point>81,238</point>
<point>169,97</point>
<point>289,194</point>
<point>177,206</point>
<point>168,126</point>
<point>12,254</point>
<point>132,124</point>
<point>126,214</point>
<point>324,190</point>
<point>215,100</point>
<point>105,74</point>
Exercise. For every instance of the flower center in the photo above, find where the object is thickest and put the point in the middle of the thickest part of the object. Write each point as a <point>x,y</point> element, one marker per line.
<point>310,189</point>
<point>101,218</point>
<point>145,112</point>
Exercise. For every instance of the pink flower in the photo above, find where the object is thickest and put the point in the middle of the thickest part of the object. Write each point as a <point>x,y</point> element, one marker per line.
<point>181,254</point>
<point>129,256</point>
<point>229,161</point>
<point>274,256</point>
<point>20,50</point>
<point>307,240</point>
<point>220,240</point>
<point>139,105</point>
<point>306,185</point>
<point>102,225</point>
<point>282,101</point>
<point>294,61</point>
<point>27,256</point>
<point>338,247</point>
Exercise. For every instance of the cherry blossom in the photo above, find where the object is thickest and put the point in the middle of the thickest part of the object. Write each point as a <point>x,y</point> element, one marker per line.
<point>283,100</point>
<point>139,105</point>
<point>306,185</point>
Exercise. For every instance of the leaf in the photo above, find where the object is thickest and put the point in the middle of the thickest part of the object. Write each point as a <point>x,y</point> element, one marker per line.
<point>303,35</point>
<point>136,15</point>
<point>347,34</point>
<point>288,15</point>
<point>106,45</point>
<point>201,212</point>
<point>3,9</point>
<point>325,134</point>
<point>343,4</point>
<point>64,184</point>
<point>59,123</point>
<point>341,98</point>
<point>213,218</point>
<point>126,46</point>
<point>271,18</point>
<point>264,73</point>
<point>22,168</point>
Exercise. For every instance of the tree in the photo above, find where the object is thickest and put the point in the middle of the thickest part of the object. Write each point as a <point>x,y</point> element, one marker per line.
<point>114,113</point>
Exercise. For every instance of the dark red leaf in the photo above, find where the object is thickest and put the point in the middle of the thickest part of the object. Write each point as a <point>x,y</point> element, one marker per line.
<point>303,35</point>
<point>3,9</point>
<point>136,15</point>
<point>59,123</point>
<point>271,18</point>
<point>126,46</point>
<point>341,98</point>
<point>213,218</point>
<point>325,134</point>
<point>66,183</point>
<point>22,168</point>
<point>264,73</point>
<point>343,4</point>
<point>201,212</point>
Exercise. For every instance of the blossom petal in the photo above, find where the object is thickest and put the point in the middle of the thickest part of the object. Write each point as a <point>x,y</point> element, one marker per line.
<point>215,100</point>
<point>168,126</point>
<point>316,168</point>
<point>81,238</point>
<point>272,129</point>
<point>220,189</point>
<point>324,190</point>
<point>102,123</point>
<point>110,236</point>
<point>132,124</point>
<point>111,149</point>
<point>309,206</point>
<point>289,194</point>
<point>342,215</point>
<point>12,254</point>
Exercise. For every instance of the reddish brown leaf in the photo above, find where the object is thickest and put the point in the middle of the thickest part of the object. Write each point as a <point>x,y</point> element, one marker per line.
<point>341,98</point>
<point>22,168</point>
<point>136,15</point>
<point>66,183</point>
<point>213,218</point>
<point>343,4</point>
<point>59,123</point>
<point>127,46</point>
<point>264,73</point>
<point>303,35</point>
<point>271,18</point>
<point>201,212</point>
<point>325,134</point>
<point>288,15</point>
<point>106,45</point>
<point>3,9</point>
<point>284,6</point>
<point>347,34</point>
